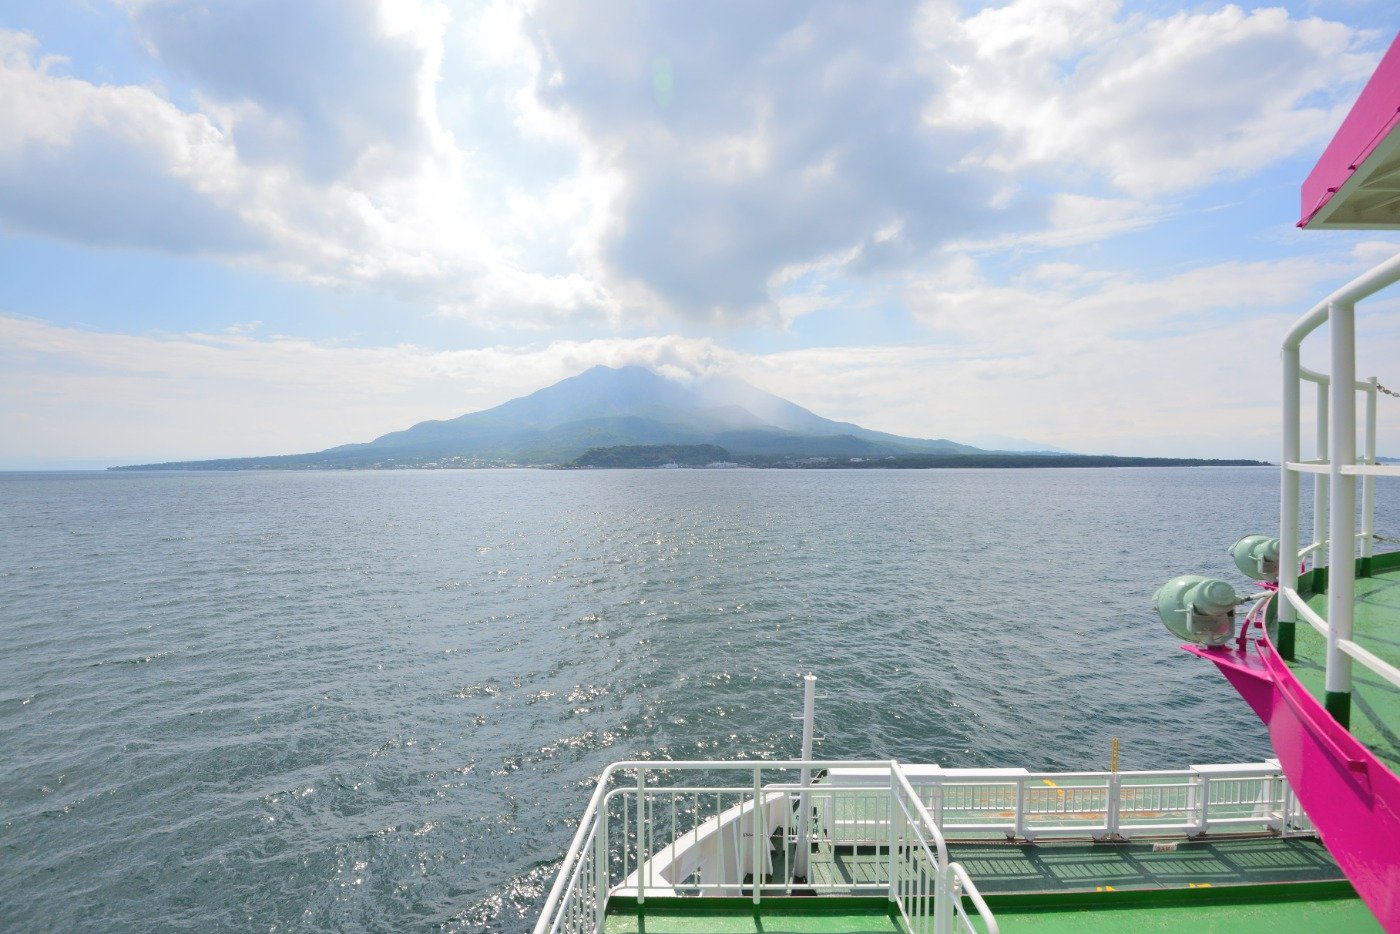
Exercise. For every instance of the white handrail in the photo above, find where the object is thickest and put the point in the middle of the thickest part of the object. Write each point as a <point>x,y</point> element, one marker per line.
<point>1378,665</point>
<point>1308,613</point>
<point>1303,553</point>
<point>1349,470</point>
<point>566,895</point>
<point>549,921</point>
<point>1371,470</point>
<point>916,872</point>
<point>964,885</point>
<point>923,814</point>
<point>1363,286</point>
<point>1313,376</point>
<point>1338,469</point>
<point>877,803</point>
<point>1373,662</point>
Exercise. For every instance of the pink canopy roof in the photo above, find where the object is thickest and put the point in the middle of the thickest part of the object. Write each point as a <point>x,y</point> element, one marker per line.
<point>1356,183</point>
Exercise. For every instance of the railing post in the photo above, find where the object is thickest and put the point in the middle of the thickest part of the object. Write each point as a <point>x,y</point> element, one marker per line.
<point>1321,498</point>
<point>1368,483</point>
<point>1288,505</point>
<point>1021,808</point>
<point>643,855</point>
<point>600,862</point>
<point>1205,803</point>
<point>891,837</point>
<point>1341,584</point>
<point>1193,805</point>
<point>1111,816</point>
<point>942,900</point>
<point>757,835</point>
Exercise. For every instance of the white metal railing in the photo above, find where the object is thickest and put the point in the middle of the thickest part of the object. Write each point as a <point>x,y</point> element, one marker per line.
<point>1348,647</point>
<point>967,803</point>
<point>717,836</point>
<point>927,888</point>
<point>582,884</point>
<point>1335,470</point>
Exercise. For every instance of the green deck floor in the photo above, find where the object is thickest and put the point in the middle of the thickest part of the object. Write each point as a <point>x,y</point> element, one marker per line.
<point>738,916</point>
<point>1080,867</point>
<point>1317,908</point>
<point>1086,867</point>
<point>1314,908</point>
<point>1375,703</point>
<point>1226,885</point>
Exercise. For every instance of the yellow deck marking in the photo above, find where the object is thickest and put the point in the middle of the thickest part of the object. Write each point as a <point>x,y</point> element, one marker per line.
<point>1104,888</point>
<point>1198,885</point>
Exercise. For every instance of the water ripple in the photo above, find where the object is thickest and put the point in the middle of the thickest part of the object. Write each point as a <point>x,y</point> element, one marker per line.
<point>376,700</point>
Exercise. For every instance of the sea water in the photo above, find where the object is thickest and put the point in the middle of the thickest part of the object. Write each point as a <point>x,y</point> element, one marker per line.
<point>378,700</point>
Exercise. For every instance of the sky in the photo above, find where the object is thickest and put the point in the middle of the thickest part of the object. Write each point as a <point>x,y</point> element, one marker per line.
<point>250,227</point>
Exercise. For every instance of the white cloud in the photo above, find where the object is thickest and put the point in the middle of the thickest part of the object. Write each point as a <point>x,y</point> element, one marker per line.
<point>317,152</point>
<point>527,165</point>
<point>75,393</point>
<point>111,165</point>
<point>1073,220</point>
<point>958,301</point>
<point>336,87</point>
<point>751,139</point>
<point>1068,357</point>
<point>1152,104</point>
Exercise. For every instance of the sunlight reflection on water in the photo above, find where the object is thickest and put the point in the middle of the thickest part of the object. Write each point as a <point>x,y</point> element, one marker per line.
<point>377,700</point>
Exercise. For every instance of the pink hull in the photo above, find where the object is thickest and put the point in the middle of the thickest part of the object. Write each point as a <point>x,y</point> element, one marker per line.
<point>1351,796</point>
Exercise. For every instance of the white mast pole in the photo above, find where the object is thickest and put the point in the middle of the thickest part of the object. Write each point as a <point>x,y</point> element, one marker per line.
<point>804,816</point>
<point>1368,483</point>
<point>1341,571</point>
<point>1320,484</point>
<point>1288,494</point>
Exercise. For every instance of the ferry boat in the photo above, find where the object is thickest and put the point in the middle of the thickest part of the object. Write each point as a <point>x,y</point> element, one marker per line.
<point>1307,841</point>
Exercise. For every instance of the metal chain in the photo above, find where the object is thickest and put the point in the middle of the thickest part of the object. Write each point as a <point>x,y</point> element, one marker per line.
<point>1385,538</point>
<point>1388,392</point>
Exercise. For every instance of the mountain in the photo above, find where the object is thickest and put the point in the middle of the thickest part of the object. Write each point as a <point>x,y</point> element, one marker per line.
<point>605,407</point>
